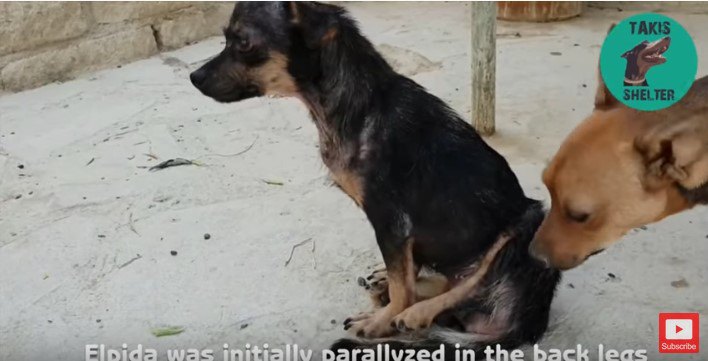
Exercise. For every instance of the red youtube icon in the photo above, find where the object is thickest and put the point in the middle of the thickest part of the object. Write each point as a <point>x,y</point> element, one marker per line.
<point>678,333</point>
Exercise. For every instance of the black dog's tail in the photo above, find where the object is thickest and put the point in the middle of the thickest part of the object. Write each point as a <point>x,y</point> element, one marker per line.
<point>454,345</point>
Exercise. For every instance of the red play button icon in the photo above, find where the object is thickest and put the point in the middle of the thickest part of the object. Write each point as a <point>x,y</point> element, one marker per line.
<point>678,329</point>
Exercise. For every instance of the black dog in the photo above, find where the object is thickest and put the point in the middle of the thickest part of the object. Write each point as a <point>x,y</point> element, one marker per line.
<point>435,193</point>
<point>641,58</point>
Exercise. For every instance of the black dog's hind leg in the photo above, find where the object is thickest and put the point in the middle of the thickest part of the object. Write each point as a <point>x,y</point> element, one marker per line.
<point>396,245</point>
<point>427,285</point>
<point>422,314</point>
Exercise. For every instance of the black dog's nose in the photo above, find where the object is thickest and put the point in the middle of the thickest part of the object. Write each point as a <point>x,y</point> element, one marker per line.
<point>198,77</point>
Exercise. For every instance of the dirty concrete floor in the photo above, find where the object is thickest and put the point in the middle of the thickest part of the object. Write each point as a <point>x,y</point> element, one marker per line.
<point>97,249</point>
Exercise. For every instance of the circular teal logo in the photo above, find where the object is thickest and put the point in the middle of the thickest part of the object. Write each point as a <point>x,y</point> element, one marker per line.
<point>648,61</point>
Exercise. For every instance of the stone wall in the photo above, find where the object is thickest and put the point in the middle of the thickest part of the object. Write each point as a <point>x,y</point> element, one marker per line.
<point>42,42</point>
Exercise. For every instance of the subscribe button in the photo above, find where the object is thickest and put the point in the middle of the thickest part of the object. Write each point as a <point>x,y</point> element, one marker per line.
<point>678,332</point>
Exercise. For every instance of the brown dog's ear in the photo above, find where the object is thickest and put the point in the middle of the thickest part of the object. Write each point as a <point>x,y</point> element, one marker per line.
<point>660,163</point>
<point>318,23</point>
<point>676,153</point>
<point>603,98</point>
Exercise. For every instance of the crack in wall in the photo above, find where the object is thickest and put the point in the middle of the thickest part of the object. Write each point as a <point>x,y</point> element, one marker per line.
<point>158,37</point>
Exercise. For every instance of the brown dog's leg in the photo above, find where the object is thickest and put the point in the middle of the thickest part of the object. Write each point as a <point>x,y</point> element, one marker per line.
<point>422,314</point>
<point>401,289</point>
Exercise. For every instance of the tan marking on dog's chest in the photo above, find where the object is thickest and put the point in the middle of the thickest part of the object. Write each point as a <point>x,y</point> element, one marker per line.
<point>351,184</point>
<point>337,156</point>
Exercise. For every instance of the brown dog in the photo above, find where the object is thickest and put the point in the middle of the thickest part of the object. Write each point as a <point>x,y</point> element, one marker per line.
<point>620,169</point>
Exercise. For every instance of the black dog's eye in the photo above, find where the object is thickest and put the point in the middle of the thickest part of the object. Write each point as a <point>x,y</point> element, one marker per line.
<point>243,45</point>
<point>579,217</point>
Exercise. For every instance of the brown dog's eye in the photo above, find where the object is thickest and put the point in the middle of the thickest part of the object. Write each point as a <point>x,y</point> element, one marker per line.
<point>243,45</point>
<point>579,217</point>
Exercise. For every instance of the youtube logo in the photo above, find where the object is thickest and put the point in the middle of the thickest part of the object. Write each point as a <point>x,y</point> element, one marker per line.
<point>678,332</point>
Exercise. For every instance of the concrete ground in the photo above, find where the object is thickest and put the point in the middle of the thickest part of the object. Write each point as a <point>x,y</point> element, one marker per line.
<point>94,248</point>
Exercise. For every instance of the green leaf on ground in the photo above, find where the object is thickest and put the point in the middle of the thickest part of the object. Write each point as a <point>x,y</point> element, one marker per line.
<point>273,182</point>
<point>167,331</point>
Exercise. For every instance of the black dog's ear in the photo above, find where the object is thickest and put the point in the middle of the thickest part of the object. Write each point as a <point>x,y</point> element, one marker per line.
<point>626,54</point>
<point>318,23</point>
<point>603,97</point>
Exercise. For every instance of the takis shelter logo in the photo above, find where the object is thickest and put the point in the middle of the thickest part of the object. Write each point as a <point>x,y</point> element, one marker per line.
<point>648,61</point>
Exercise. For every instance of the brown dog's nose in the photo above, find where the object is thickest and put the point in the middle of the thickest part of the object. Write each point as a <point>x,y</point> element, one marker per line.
<point>538,255</point>
<point>198,77</point>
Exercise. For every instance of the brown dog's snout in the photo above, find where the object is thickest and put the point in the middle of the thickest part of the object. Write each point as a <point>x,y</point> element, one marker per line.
<point>554,257</point>
<point>198,77</point>
<point>538,254</point>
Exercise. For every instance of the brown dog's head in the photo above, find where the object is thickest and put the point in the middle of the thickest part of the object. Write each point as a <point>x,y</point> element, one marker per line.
<point>616,171</point>
<point>260,40</point>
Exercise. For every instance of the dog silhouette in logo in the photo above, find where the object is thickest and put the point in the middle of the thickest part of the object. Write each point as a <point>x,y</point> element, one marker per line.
<point>641,58</point>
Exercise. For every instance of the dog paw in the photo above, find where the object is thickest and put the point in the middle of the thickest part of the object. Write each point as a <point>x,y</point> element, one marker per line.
<point>371,324</point>
<point>377,275</point>
<point>416,317</point>
<point>376,284</point>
